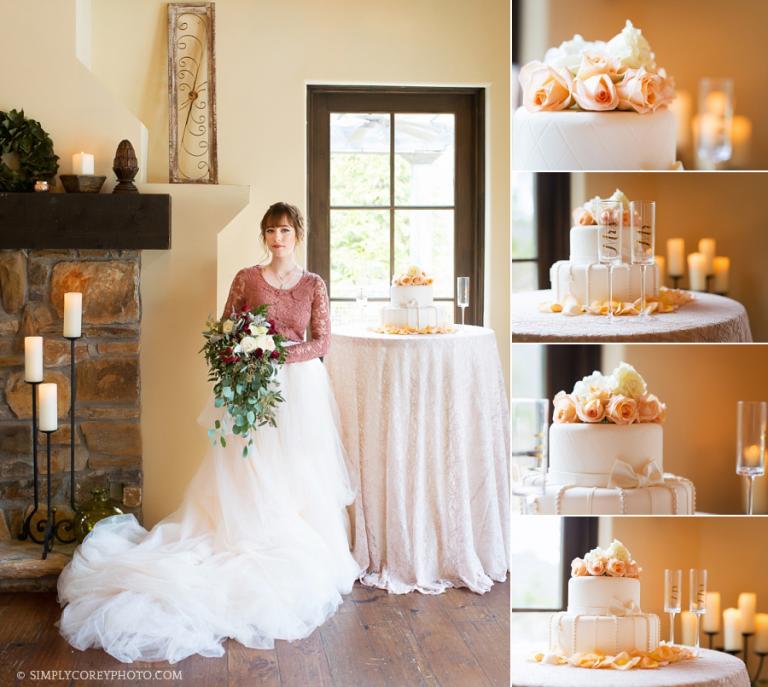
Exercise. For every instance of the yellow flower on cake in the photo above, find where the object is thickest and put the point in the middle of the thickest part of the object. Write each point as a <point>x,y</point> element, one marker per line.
<point>413,271</point>
<point>626,381</point>
<point>619,551</point>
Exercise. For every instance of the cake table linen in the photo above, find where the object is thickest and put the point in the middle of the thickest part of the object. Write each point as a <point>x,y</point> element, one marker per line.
<point>708,318</point>
<point>710,669</point>
<point>425,423</point>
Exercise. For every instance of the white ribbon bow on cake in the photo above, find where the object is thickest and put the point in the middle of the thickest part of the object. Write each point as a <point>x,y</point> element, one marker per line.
<point>622,610</point>
<point>624,476</point>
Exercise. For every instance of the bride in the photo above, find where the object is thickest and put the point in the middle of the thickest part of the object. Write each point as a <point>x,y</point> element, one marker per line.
<point>258,550</point>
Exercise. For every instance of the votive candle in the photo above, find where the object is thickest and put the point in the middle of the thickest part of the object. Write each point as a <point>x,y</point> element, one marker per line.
<point>73,315</point>
<point>49,418</point>
<point>711,619</point>
<point>721,267</point>
<point>698,272</point>
<point>33,358</point>
<point>676,257</point>
<point>747,606</point>
<point>732,629</point>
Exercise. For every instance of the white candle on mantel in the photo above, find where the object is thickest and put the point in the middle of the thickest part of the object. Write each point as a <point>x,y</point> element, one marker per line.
<point>721,267</point>
<point>688,623</point>
<point>82,163</point>
<point>49,417</point>
<point>33,358</point>
<point>697,272</point>
<point>711,620</point>
<point>675,257</point>
<point>761,633</point>
<point>73,314</point>
<point>661,262</point>
<point>707,249</point>
<point>732,629</point>
<point>747,606</point>
<point>741,140</point>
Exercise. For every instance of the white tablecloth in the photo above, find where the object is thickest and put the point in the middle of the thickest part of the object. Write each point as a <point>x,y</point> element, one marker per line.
<point>711,669</point>
<point>425,422</point>
<point>709,318</point>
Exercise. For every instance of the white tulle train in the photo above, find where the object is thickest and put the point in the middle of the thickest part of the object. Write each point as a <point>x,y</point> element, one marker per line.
<point>257,551</point>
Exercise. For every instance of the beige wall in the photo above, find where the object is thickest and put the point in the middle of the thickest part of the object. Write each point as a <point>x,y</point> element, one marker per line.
<point>701,385</point>
<point>728,207</point>
<point>731,549</point>
<point>266,55</point>
<point>691,38</point>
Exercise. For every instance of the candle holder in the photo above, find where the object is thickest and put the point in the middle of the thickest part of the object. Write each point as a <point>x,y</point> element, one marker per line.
<point>675,280</point>
<point>761,658</point>
<point>26,528</point>
<point>711,639</point>
<point>709,278</point>
<point>49,524</point>
<point>732,652</point>
<point>72,396</point>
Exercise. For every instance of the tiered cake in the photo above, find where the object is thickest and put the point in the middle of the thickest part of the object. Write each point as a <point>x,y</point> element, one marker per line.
<point>604,615</point>
<point>606,452</point>
<point>595,105</point>
<point>584,279</point>
<point>411,303</point>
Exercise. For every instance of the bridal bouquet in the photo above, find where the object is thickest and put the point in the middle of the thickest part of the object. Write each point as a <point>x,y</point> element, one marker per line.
<point>244,352</point>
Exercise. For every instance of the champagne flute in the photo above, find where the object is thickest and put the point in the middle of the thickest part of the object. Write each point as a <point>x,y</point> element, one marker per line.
<point>752,419</point>
<point>642,221</point>
<point>673,581</point>
<point>530,433</point>
<point>610,217</point>
<point>697,598</point>
<point>462,294</point>
<point>361,298</point>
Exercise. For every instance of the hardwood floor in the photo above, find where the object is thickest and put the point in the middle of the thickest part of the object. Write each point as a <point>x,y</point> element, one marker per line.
<point>376,639</point>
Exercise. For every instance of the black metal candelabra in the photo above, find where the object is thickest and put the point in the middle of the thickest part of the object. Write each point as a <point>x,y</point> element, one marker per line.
<point>72,395</point>
<point>26,528</point>
<point>743,653</point>
<point>675,280</point>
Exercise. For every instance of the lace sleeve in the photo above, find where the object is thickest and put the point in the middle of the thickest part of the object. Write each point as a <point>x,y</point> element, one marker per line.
<point>319,327</point>
<point>236,298</point>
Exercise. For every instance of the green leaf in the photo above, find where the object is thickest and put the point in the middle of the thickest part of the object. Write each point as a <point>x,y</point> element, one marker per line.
<point>223,442</point>
<point>217,424</point>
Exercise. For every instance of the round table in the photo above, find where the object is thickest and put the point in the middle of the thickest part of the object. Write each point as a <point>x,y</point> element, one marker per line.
<point>425,422</point>
<point>710,669</point>
<point>708,318</point>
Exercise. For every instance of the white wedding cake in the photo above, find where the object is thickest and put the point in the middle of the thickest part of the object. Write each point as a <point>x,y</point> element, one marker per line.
<point>583,279</point>
<point>593,105</point>
<point>411,304</point>
<point>606,452</point>
<point>603,614</point>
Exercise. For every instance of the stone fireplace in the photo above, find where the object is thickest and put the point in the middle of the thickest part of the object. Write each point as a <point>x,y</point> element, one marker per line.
<point>107,430</point>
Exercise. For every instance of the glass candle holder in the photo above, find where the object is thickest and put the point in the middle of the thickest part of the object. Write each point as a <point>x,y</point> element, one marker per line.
<point>715,140</point>
<point>752,421</point>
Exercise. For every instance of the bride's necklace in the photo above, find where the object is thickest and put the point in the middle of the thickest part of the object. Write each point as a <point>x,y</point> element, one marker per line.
<point>282,280</point>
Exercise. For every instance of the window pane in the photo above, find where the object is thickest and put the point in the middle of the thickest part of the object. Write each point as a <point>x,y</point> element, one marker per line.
<point>424,159</point>
<point>528,371</point>
<point>349,312</point>
<point>424,238</point>
<point>359,253</point>
<point>523,216</point>
<point>359,159</point>
<point>536,566</point>
<point>525,276</point>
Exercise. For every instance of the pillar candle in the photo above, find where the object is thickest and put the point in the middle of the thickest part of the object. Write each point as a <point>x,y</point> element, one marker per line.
<point>33,358</point>
<point>661,262</point>
<point>73,314</point>
<point>46,395</point>
<point>707,249</point>
<point>82,163</point>
<point>676,257</point>
<point>711,620</point>
<point>697,271</point>
<point>741,132</point>
<point>682,106</point>
<point>732,629</point>
<point>688,622</point>
<point>747,605</point>
<point>761,630</point>
<point>721,267</point>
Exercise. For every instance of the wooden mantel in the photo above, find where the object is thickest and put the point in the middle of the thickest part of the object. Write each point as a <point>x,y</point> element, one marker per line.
<point>106,221</point>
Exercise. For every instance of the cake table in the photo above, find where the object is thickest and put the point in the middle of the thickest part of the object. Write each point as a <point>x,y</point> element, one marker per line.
<point>708,318</point>
<point>710,669</point>
<point>425,423</point>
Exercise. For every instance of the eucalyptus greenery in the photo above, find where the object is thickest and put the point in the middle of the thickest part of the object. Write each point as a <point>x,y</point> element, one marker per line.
<point>244,353</point>
<point>34,148</point>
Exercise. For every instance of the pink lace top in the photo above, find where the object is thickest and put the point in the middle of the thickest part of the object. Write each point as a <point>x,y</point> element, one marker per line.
<point>293,310</point>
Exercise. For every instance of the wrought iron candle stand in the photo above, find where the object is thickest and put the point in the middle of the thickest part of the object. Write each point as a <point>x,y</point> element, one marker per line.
<point>675,280</point>
<point>72,395</point>
<point>737,652</point>
<point>709,278</point>
<point>26,528</point>
<point>50,522</point>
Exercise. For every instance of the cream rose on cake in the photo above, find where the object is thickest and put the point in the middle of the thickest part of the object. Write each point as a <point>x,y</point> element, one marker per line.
<point>615,561</point>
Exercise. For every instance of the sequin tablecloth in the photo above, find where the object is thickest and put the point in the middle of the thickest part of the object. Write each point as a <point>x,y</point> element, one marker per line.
<point>425,422</point>
<point>709,318</point>
<point>710,669</point>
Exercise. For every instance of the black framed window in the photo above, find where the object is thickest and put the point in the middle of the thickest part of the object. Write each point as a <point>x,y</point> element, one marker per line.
<point>396,179</point>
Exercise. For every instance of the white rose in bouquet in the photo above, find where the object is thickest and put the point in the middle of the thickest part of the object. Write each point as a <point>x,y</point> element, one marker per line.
<point>247,345</point>
<point>265,343</point>
<point>227,327</point>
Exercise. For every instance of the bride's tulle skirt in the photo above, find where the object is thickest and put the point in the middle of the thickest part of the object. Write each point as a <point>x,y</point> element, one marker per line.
<point>257,551</point>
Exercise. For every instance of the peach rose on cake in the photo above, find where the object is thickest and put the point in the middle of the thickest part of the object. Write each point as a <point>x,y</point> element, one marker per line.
<point>596,93</point>
<point>616,567</point>
<point>565,408</point>
<point>546,88</point>
<point>578,568</point>
<point>582,217</point>
<point>650,408</point>
<point>622,410</point>
<point>418,280</point>
<point>633,570</point>
<point>592,410</point>
<point>593,64</point>
<point>595,565</point>
<point>640,91</point>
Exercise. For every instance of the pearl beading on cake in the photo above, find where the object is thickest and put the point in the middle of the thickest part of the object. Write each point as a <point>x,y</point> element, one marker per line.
<point>557,620</point>
<point>668,477</point>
